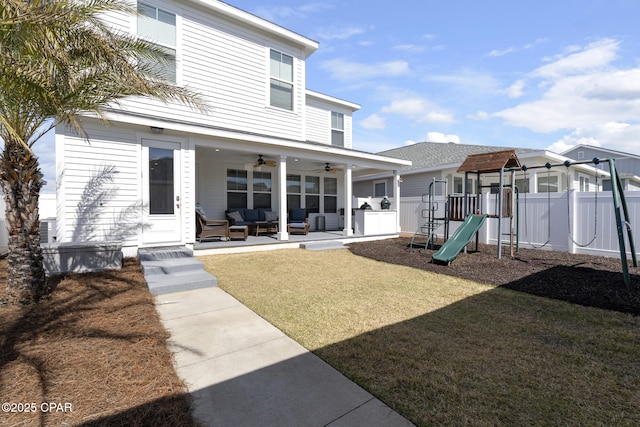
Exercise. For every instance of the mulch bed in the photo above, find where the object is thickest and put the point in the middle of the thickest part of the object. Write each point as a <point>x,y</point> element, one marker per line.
<point>593,281</point>
<point>96,349</point>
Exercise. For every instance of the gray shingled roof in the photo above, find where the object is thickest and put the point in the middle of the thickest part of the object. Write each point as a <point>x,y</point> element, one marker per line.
<point>432,154</point>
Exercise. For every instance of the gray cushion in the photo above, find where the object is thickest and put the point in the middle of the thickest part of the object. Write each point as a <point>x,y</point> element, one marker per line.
<point>270,216</point>
<point>235,216</point>
<point>298,224</point>
<point>252,215</point>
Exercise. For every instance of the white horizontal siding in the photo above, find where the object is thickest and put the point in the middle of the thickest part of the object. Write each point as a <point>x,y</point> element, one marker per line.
<point>228,64</point>
<point>318,122</point>
<point>83,162</point>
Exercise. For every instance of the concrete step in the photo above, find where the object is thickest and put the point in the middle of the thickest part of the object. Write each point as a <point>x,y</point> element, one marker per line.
<point>170,266</point>
<point>157,254</point>
<point>179,282</point>
<point>173,269</point>
<point>322,245</point>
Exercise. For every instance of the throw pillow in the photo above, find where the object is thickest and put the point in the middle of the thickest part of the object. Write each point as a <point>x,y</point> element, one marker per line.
<point>235,216</point>
<point>270,216</point>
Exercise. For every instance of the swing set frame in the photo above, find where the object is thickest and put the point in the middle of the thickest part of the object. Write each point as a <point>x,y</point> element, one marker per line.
<point>619,207</point>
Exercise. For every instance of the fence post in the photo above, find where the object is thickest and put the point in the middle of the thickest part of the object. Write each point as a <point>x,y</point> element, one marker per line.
<point>572,218</point>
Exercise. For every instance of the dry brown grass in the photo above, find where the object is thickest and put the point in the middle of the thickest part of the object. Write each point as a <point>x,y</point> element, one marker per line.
<point>97,347</point>
<point>442,350</point>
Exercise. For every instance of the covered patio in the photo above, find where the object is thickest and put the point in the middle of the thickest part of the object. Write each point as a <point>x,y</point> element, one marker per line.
<point>265,242</point>
<point>232,175</point>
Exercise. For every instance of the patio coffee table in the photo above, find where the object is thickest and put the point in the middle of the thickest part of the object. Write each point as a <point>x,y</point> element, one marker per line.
<point>238,232</point>
<point>266,227</point>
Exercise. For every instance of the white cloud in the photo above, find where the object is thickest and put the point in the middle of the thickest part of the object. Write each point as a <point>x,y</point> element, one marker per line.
<point>469,82</point>
<point>436,117</point>
<point>613,135</point>
<point>277,13</point>
<point>410,48</point>
<point>343,70</point>
<point>618,85</point>
<point>581,90</point>
<point>516,90</point>
<point>512,49</point>
<point>593,57</point>
<point>418,109</point>
<point>410,142</point>
<point>441,137</point>
<point>339,33</point>
<point>407,107</point>
<point>374,121</point>
<point>480,116</point>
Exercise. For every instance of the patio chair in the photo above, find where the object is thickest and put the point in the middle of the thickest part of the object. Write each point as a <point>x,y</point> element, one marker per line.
<point>206,228</point>
<point>298,221</point>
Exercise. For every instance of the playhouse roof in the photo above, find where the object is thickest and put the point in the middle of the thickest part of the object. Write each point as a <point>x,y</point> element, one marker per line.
<point>490,162</point>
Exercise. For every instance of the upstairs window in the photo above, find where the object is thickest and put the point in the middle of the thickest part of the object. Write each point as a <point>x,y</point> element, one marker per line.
<point>337,129</point>
<point>159,26</point>
<point>281,85</point>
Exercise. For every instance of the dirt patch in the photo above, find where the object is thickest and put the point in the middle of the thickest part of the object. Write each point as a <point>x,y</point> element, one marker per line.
<point>588,280</point>
<point>96,350</point>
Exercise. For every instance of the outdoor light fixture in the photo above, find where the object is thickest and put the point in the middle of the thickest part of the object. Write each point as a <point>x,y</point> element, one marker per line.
<point>156,129</point>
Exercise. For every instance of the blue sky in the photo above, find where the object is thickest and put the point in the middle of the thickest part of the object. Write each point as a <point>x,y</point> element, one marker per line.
<point>537,74</point>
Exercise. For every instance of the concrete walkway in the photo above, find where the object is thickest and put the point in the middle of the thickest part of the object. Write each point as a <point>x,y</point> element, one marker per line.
<point>243,371</point>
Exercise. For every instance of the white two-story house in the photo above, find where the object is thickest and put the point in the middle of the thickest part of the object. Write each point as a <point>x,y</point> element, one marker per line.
<point>265,143</point>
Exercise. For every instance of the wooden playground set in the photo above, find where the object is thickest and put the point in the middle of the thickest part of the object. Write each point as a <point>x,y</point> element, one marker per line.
<point>468,209</point>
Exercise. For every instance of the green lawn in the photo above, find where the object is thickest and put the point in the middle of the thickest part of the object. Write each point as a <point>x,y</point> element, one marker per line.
<point>440,350</point>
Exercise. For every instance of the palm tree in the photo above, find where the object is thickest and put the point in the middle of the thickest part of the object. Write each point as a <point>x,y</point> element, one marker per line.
<point>59,60</point>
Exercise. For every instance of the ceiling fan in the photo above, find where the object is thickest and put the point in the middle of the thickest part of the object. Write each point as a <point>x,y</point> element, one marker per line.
<point>327,168</point>
<point>264,162</point>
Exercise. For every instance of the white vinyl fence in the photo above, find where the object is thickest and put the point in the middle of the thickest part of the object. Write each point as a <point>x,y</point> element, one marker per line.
<point>545,221</point>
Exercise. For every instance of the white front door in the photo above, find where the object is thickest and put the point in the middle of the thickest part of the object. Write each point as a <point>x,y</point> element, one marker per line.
<point>161,222</point>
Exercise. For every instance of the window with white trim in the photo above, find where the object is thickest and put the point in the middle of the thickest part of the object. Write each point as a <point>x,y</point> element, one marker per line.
<point>337,129</point>
<point>330,195</point>
<point>261,190</point>
<point>236,189</point>
<point>281,83</point>
<point>159,26</point>
<point>312,194</point>
<point>458,185</point>
<point>294,191</point>
<point>379,188</point>
<point>547,183</point>
<point>584,183</point>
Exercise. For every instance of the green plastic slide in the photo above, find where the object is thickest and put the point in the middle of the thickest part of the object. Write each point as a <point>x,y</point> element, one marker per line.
<point>462,236</point>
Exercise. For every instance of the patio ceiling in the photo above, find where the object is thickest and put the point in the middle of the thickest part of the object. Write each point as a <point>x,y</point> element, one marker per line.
<point>312,158</point>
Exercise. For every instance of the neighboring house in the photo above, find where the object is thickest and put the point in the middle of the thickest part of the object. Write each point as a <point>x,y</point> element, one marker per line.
<point>265,143</point>
<point>627,164</point>
<point>441,161</point>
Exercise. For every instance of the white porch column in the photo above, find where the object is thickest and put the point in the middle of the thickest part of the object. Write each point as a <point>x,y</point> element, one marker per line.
<point>396,198</point>
<point>282,200</point>
<point>348,196</point>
